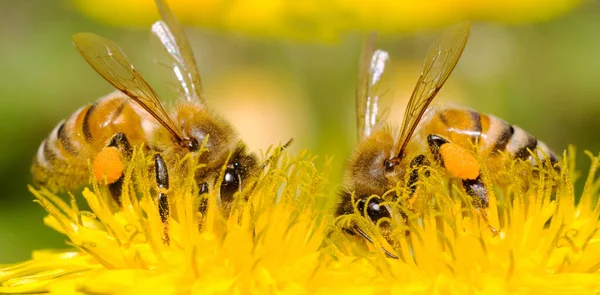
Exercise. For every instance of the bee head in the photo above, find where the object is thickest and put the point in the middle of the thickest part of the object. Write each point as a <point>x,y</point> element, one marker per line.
<point>373,173</point>
<point>217,142</point>
<point>227,178</point>
<point>240,166</point>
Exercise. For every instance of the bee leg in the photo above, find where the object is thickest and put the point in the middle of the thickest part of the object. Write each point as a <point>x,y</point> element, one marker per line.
<point>115,190</point>
<point>479,194</point>
<point>435,142</point>
<point>346,208</point>
<point>477,190</point>
<point>120,142</point>
<point>460,162</point>
<point>473,186</point>
<point>203,189</point>
<point>415,164</point>
<point>162,180</point>
<point>463,165</point>
<point>203,206</point>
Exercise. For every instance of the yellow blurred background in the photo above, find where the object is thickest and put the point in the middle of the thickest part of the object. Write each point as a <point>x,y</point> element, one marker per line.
<point>279,70</point>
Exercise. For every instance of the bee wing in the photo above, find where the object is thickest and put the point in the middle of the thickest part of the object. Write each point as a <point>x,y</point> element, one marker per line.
<point>441,59</point>
<point>183,64</point>
<point>370,89</point>
<point>111,63</point>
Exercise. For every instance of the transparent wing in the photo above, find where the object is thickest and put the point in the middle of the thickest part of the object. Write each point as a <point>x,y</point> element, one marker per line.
<point>441,60</point>
<point>112,64</point>
<point>370,89</point>
<point>183,64</point>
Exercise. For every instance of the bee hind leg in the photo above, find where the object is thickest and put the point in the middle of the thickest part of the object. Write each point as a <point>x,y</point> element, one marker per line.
<point>460,163</point>
<point>476,189</point>
<point>478,192</point>
<point>162,181</point>
<point>108,164</point>
<point>116,189</point>
<point>119,141</point>
<point>463,165</point>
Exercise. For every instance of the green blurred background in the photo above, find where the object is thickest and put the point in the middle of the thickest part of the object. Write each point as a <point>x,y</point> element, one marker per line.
<point>540,75</point>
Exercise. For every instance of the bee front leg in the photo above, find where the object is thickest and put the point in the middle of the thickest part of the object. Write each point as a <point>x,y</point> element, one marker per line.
<point>203,189</point>
<point>162,180</point>
<point>203,205</point>
<point>416,163</point>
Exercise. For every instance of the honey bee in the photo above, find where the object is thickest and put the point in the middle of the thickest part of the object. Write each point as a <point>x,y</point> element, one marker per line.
<point>445,137</point>
<point>104,132</point>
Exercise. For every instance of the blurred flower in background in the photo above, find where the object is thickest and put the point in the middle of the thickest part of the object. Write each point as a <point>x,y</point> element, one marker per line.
<point>286,69</point>
<point>265,107</point>
<point>323,19</point>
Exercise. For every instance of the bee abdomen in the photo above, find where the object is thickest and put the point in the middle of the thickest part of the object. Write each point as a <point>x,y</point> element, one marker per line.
<point>516,142</point>
<point>56,161</point>
<point>493,136</point>
<point>62,159</point>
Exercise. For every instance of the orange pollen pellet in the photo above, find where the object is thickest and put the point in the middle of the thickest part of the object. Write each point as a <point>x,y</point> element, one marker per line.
<point>459,161</point>
<point>107,165</point>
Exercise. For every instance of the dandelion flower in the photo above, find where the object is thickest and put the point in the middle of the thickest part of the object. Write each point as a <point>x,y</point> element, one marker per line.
<point>282,240</point>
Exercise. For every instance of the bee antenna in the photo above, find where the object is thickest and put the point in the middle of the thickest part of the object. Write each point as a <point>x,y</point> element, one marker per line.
<point>287,144</point>
<point>283,147</point>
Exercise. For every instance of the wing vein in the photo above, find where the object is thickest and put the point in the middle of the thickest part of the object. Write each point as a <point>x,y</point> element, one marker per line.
<point>441,60</point>
<point>107,59</point>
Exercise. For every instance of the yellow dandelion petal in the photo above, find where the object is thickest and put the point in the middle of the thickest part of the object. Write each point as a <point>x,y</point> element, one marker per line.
<point>278,239</point>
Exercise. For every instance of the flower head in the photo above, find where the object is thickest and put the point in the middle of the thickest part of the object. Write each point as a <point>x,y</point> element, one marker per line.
<point>279,238</point>
<point>124,250</point>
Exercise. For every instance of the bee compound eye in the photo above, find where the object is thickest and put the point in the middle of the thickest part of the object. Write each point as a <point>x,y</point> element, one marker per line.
<point>375,211</point>
<point>389,165</point>
<point>230,184</point>
<point>192,145</point>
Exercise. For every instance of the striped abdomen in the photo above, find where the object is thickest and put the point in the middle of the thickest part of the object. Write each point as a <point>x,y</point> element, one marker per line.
<point>491,135</point>
<point>62,159</point>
